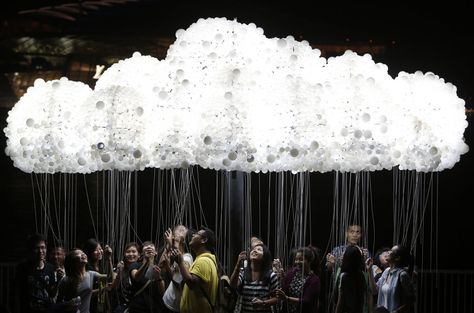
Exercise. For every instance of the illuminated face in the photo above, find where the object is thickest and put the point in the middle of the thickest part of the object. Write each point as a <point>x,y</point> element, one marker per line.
<point>131,254</point>
<point>255,241</point>
<point>80,257</point>
<point>149,249</point>
<point>197,238</point>
<point>393,255</point>
<point>39,251</point>
<point>179,233</point>
<point>354,233</point>
<point>383,257</point>
<point>301,262</point>
<point>56,256</point>
<point>98,253</point>
<point>256,253</point>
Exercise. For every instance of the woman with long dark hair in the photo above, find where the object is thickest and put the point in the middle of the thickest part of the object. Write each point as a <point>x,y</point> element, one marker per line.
<point>256,283</point>
<point>353,291</point>
<point>95,255</point>
<point>123,284</point>
<point>78,283</point>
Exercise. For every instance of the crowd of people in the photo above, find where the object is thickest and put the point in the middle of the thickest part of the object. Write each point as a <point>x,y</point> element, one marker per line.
<point>184,275</point>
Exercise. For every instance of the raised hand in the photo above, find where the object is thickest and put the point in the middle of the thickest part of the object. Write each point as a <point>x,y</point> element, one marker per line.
<point>242,256</point>
<point>280,294</point>
<point>107,251</point>
<point>149,252</point>
<point>176,254</point>
<point>59,273</point>
<point>168,236</point>
<point>120,266</point>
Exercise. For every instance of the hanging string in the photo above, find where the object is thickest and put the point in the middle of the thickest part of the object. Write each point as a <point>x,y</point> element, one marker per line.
<point>279,215</point>
<point>414,195</point>
<point>195,193</point>
<point>34,201</point>
<point>89,207</point>
<point>39,221</point>
<point>269,205</point>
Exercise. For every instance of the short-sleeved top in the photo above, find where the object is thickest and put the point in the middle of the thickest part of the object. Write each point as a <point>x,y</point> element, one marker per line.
<point>34,286</point>
<point>98,299</point>
<point>68,291</point>
<point>193,300</point>
<point>172,296</point>
<point>256,289</point>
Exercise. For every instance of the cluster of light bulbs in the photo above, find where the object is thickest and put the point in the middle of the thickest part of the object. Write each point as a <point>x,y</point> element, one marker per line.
<point>227,97</point>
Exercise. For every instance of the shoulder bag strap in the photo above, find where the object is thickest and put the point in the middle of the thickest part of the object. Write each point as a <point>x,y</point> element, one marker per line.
<point>205,295</point>
<point>143,288</point>
<point>202,289</point>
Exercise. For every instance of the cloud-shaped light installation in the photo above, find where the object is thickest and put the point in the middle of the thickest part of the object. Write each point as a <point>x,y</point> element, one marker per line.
<point>227,97</point>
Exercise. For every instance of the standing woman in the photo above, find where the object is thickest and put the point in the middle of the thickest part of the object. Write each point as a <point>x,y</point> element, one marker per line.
<point>396,290</point>
<point>301,285</point>
<point>354,293</point>
<point>257,283</point>
<point>95,254</point>
<point>78,283</point>
<point>123,284</point>
<point>175,240</point>
<point>147,284</point>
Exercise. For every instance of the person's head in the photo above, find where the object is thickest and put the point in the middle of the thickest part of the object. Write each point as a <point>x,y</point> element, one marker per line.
<point>205,239</point>
<point>36,246</point>
<point>148,245</point>
<point>353,234</point>
<point>93,250</point>
<point>254,240</point>
<point>179,234</point>
<point>56,255</point>
<point>399,256</point>
<point>75,262</point>
<point>260,258</point>
<point>352,260</point>
<point>303,259</point>
<point>381,257</point>
<point>260,254</point>
<point>131,253</point>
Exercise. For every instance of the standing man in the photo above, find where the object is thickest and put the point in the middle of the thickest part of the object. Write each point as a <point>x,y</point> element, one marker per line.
<point>56,255</point>
<point>36,284</point>
<point>353,237</point>
<point>201,280</point>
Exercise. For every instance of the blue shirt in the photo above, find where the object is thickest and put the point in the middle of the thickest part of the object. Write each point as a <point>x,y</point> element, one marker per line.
<point>396,289</point>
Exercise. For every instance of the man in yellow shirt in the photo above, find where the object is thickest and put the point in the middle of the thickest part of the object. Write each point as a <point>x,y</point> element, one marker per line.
<point>201,280</point>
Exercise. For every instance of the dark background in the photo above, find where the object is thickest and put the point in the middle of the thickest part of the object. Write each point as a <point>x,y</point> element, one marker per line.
<point>436,38</point>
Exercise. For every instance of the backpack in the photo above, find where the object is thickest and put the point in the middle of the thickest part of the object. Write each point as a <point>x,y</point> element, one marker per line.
<point>226,295</point>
